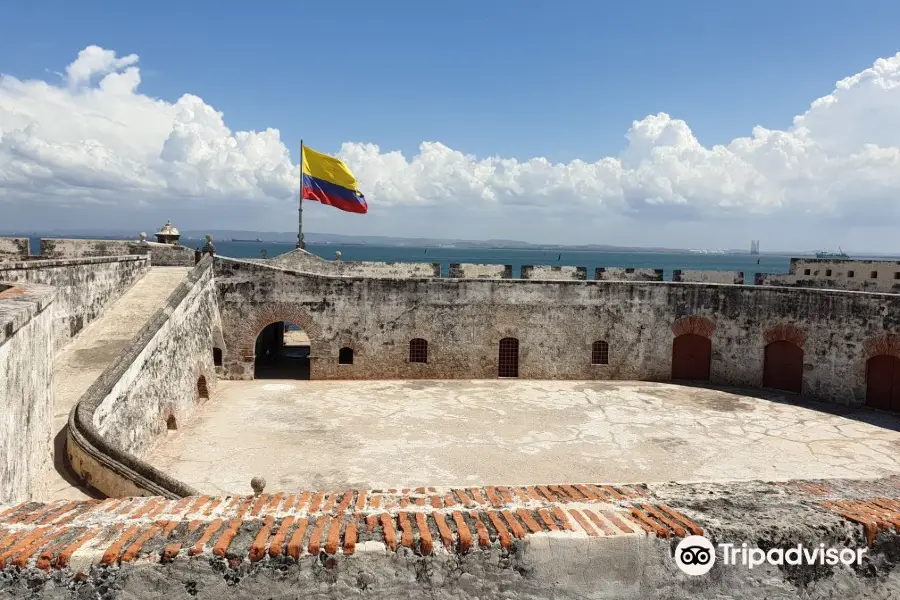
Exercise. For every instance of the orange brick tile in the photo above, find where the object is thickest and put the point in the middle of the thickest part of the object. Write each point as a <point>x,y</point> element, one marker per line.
<point>170,552</point>
<point>659,516</point>
<point>561,516</point>
<point>390,535</point>
<point>315,538</point>
<point>316,502</point>
<point>462,532</point>
<point>261,501</point>
<point>334,536</point>
<point>112,553</point>
<point>406,530</point>
<point>258,547</point>
<point>211,529</point>
<point>62,561</point>
<point>477,495</point>
<point>547,519</point>
<point>436,501</point>
<point>227,536</point>
<point>514,524</point>
<point>277,544</point>
<point>505,494</point>
<point>484,539</point>
<point>45,558</point>
<point>350,538</point>
<point>426,545</point>
<point>288,504</point>
<point>135,547</point>
<point>692,527</point>
<point>375,502</point>
<point>613,493</point>
<point>147,507</point>
<point>583,522</point>
<point>600,523</point>
<point>180,506</point>
<point>464,498</point>
<point>615,520</point>
<point>443,530</point>
<point>545,491</point>
<point>330,501</point>
<point>295,545</point>
<point>243,507</point>
<point>303,500</point>
<point>586,492</point>
<point>649,524</point>
<point>573,493</point>
<point>502,533</point>
<point>274,502</point>
<point>212,505</point>
<point>529,521</point>
<point>493,497</point>
<point>361,500</point>
<point>345,501</point>
<point>198,504</point>
<point>22,558</point>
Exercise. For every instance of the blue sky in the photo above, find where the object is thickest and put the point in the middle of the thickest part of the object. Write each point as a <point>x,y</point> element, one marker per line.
<point>488,77</point>
<point>511,80</point>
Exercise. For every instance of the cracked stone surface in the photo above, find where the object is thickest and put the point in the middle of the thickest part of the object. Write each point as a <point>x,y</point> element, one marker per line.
<point>383,434</point>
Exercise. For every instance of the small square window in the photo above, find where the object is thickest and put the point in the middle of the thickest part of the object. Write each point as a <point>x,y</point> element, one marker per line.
<point>896,274</point>
<point>827,272</point>
<point>806,271</point>
<point>850,273</point>
<point>873,275</point>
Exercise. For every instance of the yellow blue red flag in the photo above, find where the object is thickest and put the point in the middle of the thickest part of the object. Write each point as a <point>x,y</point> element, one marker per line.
<point>327,180</point>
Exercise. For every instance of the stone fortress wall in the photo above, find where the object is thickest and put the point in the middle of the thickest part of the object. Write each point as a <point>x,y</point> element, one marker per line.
<point>26,391</point>
<point>844,274</point>
<point>555,324</point>
<point>375,310</point>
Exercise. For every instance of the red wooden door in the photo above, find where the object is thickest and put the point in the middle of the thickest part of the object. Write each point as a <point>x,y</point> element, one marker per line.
<point>783,367</point>
<point>509,358</point>
<point>883,382</point>
<point>691,355</point>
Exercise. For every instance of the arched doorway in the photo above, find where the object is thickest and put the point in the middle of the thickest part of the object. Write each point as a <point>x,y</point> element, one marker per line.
<point>508,364</point>
<point>691,354</point>
<point>282,352</point>
<point>783,366</point>
<point>883,382</point>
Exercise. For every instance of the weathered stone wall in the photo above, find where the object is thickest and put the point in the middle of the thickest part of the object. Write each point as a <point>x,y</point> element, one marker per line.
<point>627,274</point>
<point>26,390</point>
<point>301,260</point>
<point>13,249</point>
<point>162,255</point>
<point>166,374</point>
<point>85,286</point>
<point>699,276</point>
<point>837,274</point>
<point>555,323</point>
<point>554,273</point>
<point>470,271</point>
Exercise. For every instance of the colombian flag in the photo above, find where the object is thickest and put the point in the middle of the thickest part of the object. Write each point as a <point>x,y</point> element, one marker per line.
<point>328,180</point>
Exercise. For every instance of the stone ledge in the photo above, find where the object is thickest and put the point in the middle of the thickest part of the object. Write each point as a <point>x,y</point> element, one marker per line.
<point>49,263</point>
<point>19,303</point>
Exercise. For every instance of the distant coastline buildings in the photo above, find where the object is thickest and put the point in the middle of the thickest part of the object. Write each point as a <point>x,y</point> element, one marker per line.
<point>754,247</point>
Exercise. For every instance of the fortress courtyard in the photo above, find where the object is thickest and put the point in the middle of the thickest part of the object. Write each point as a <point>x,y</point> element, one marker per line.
<point>408,433</point>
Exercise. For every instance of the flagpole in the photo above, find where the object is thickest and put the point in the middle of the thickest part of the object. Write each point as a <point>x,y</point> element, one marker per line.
<point>300,243</point>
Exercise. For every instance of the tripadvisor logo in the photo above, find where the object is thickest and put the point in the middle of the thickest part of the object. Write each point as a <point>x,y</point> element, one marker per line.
<point>696,555</point>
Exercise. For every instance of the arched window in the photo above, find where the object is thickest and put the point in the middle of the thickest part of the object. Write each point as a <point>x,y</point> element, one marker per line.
<point>171,423</point>
<point>418,350</point>
<point>345,356</point>
<point>600,353</point>
<point>217,357</point>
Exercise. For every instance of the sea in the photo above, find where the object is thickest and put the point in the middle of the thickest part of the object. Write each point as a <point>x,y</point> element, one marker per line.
<point>668,261</point>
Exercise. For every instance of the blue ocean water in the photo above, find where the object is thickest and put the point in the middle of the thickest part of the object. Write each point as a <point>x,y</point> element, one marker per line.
<point>668,261</point>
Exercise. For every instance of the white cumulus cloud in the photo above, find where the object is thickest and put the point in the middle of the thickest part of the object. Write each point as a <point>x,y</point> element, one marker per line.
<point>93,139</point>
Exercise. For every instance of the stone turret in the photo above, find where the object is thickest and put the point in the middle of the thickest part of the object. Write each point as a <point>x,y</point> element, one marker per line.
<point>168,234</point>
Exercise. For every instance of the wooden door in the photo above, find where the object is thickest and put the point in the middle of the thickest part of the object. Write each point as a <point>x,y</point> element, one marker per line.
<point>509,358</point>
<point>691,354</point>
<point>783,367</point>
<point>883,382</point>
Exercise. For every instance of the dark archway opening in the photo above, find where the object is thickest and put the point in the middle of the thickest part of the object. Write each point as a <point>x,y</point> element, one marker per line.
<point>217,357</point>
<point>282,352</point>
<point>345,356</point>
<point>783,366</point>
<point>202,390</point>
<point>883,382</point>
<point>171,423</point>
<point>691,356</point>
<point>508,364</point>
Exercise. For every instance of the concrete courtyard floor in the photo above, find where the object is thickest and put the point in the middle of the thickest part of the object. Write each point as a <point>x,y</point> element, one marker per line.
<point>394,434</point>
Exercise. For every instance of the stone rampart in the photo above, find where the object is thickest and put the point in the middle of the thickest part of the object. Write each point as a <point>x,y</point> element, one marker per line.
<point>85,287</point>
<point>700,276</point>
<point>162,255</point>
<point>627,274</point>
<point>26,390</point>
<point>14,249</point>
<point>562,541</point>
<point>152,388</point>
<point>301,260</point>
<point>472,271</point>
<point>555,323</point>
<point>839,274</point>
<point>554,273</point>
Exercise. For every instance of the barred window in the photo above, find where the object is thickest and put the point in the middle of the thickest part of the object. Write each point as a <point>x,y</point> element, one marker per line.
<point>600,353</point>
<point>418,350</point>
